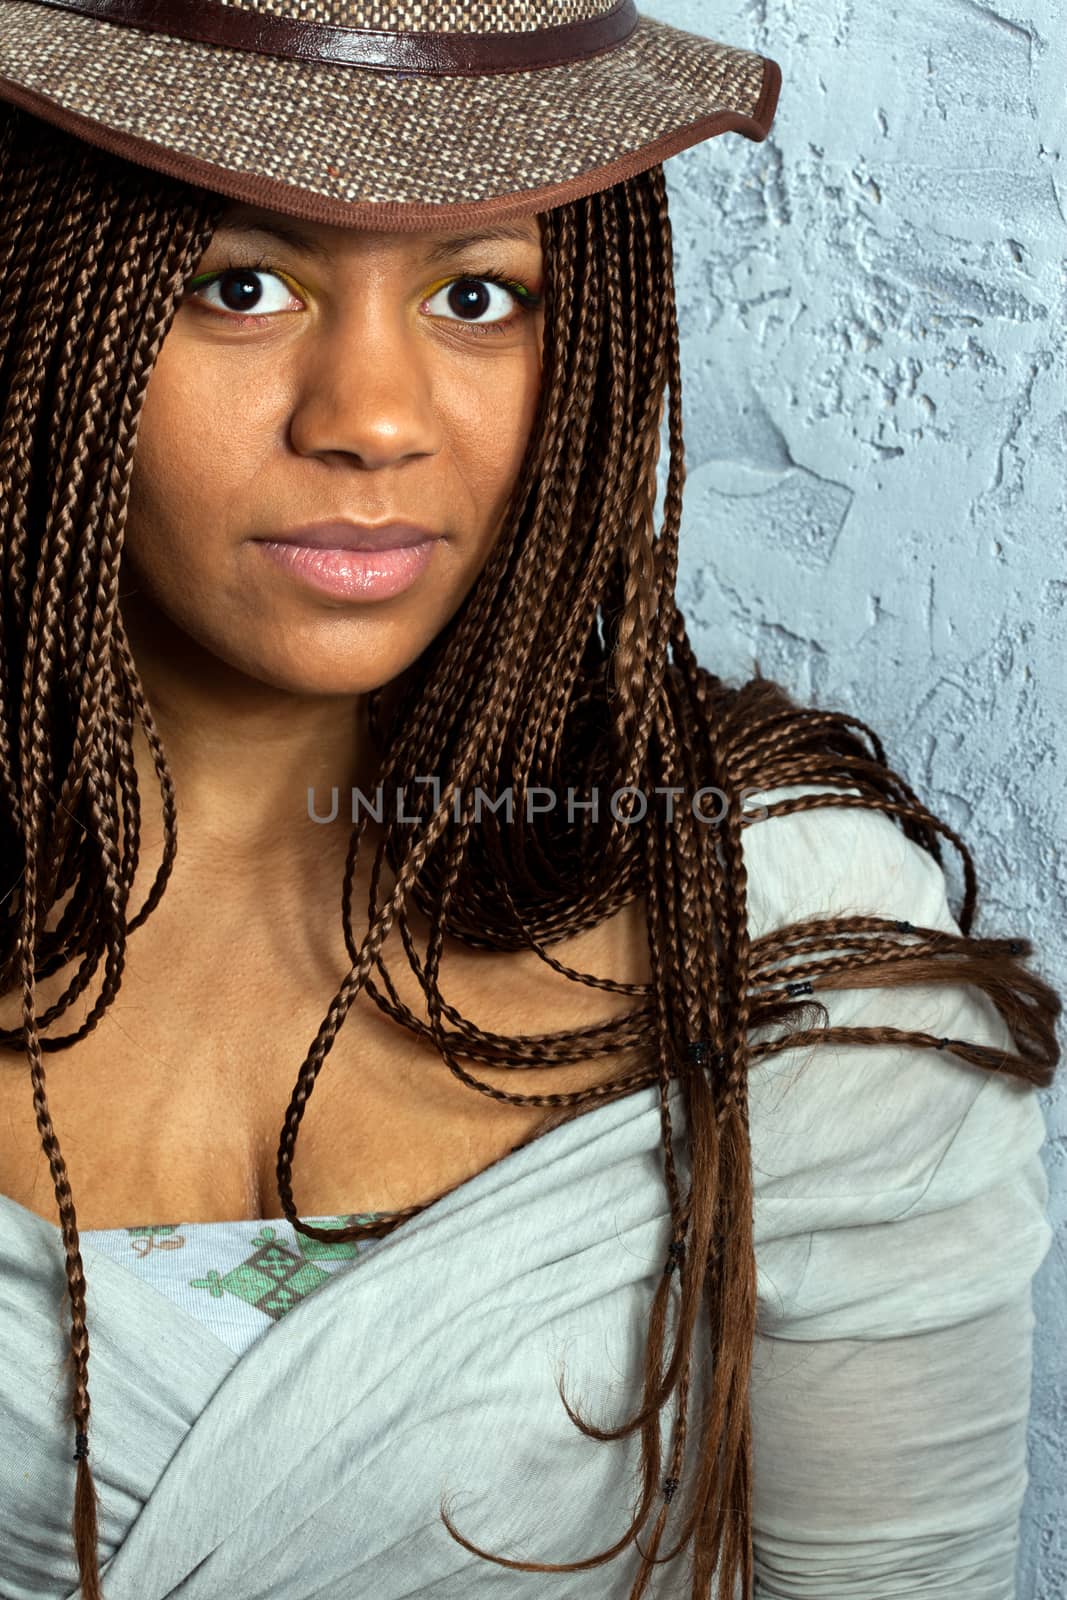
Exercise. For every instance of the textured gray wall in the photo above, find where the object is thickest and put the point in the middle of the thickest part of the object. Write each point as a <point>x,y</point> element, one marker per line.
<point>874,346</point>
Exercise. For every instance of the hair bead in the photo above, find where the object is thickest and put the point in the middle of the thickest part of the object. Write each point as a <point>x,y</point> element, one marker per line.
<point>802,986</point>
<point>675,1256</point>
<point>669,1486</point>
<point>81,1446</point>
<point>701,1054</point>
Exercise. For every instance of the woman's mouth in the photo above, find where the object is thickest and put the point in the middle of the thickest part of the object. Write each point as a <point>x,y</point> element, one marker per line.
<point>353,574</point>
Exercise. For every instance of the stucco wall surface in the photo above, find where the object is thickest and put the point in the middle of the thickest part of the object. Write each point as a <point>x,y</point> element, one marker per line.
<point>875,352</point>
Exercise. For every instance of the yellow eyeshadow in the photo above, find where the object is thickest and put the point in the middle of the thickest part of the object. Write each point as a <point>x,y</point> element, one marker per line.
<point>478,277</point>
<point>213,276</point>
<point>440,284</point>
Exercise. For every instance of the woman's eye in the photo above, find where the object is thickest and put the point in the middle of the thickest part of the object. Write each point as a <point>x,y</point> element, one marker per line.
<point>246,292</point>
<point>478,300</point>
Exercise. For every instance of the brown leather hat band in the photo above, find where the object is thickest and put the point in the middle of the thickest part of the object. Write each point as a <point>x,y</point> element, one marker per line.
<point>427,54</point>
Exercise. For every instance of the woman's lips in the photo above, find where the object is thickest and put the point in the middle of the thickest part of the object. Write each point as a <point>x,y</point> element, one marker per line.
<point>353,574</point>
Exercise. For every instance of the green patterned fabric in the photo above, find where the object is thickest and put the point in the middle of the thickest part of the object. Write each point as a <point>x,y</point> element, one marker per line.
<point>237,1278</point>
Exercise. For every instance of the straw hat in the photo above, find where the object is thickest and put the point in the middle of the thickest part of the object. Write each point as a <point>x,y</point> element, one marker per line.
<point>381,112</point>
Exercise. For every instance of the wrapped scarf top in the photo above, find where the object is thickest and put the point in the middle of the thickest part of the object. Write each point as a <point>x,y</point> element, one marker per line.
<point>277,1420</point>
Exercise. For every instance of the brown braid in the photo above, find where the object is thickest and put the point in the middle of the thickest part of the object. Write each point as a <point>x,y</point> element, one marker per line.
<point>568,664</point>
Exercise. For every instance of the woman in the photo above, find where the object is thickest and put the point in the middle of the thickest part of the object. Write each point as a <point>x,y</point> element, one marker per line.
<point>334,360</point>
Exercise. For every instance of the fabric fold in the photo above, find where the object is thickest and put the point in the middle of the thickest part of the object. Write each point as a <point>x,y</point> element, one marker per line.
<point>899,1215</point>
<point>427,1373</point>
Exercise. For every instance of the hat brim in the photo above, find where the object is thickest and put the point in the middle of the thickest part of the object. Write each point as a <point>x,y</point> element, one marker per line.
<point>362,148</point>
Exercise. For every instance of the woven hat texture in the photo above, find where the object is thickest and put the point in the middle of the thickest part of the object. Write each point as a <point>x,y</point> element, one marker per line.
<point>446,16</point>
<point>342,143</point>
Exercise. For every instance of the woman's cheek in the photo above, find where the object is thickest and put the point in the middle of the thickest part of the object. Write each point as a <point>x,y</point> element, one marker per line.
<point>196,446</point>
<point>506,410</point>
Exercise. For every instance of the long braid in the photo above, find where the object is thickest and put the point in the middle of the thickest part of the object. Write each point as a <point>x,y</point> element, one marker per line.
<point>77,364</point>
<point>569,662</point>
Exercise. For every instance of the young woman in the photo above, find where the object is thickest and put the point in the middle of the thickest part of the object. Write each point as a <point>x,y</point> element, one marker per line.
<point>335,345</point>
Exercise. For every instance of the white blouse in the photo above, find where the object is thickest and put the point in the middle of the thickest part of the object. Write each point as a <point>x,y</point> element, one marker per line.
<point>901,1204</point>
<point>899,1217</point>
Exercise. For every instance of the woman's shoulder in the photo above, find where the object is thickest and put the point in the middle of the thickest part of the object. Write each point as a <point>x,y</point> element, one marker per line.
<point>840,857</point>
<point>838,852</point>
<point>850,1135</point>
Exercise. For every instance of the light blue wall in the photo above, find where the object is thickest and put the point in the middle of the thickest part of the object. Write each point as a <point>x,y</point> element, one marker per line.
<point>873,323</point>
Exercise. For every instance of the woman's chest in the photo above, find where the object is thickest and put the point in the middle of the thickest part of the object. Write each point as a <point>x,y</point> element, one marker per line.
<point>173,1107</point>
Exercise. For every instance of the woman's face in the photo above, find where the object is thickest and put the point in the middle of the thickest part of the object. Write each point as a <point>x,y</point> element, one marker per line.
<point>318,384</point>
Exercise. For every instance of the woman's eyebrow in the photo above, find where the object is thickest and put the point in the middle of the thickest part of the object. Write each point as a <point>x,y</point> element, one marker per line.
<point>455,244</point>
<point>281,232</point>
<point>442,249</point>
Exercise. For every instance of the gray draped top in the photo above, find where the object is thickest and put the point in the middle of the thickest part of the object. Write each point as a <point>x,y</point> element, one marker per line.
<point>900,1214</point>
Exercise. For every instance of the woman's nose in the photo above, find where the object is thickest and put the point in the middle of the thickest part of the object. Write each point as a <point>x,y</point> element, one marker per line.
<point>366,393</point>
